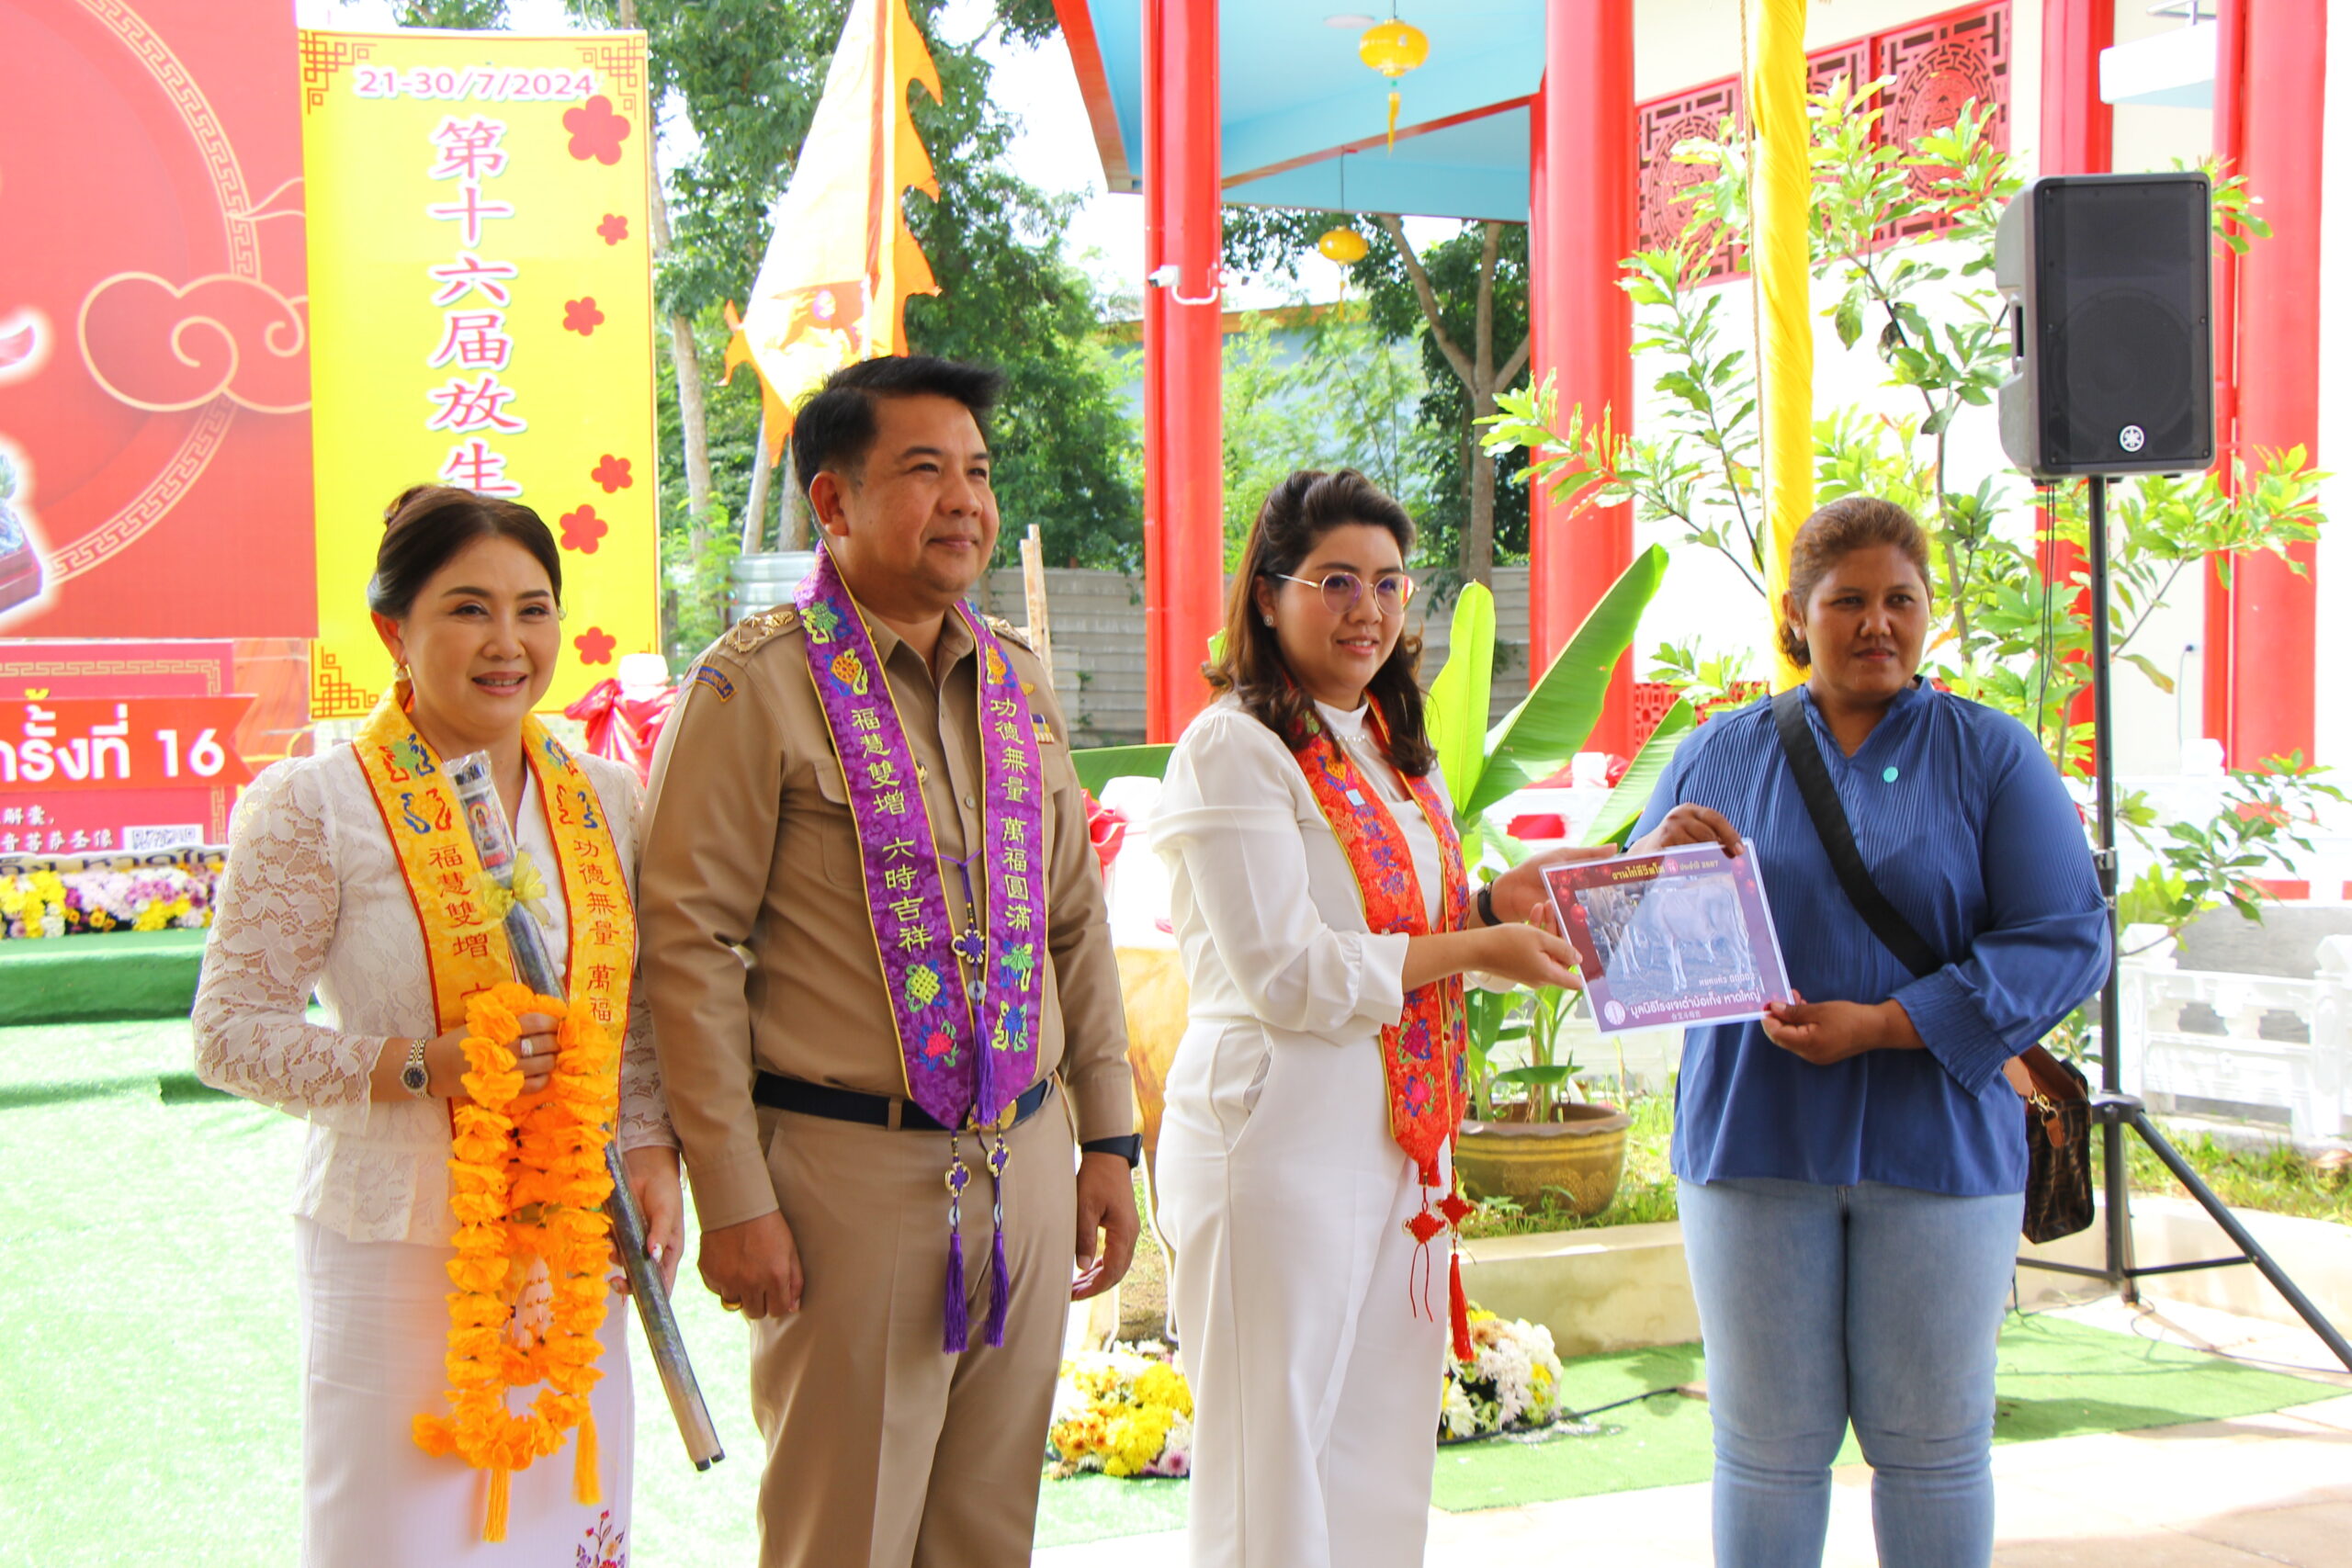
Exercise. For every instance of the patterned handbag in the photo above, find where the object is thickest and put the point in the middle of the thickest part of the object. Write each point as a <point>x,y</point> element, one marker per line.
<point>2058,1187</point>
<point>2058,1112</point>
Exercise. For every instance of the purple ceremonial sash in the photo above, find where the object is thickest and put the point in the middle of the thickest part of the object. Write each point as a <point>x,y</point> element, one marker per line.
<point>926,966</point>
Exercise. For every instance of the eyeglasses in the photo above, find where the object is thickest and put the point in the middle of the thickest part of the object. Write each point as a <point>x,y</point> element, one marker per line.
<point>1343,590</point>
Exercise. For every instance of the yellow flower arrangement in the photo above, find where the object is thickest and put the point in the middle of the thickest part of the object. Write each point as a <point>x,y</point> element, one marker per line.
<point>39,900</point>
<point>1126,1412</point>
<point>527,1181</point>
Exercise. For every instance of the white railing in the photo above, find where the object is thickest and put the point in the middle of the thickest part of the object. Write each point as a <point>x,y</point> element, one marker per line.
<point>2196,1040</point>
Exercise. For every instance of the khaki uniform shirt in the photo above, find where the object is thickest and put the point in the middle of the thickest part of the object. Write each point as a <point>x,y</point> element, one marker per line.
<point>748,844</point>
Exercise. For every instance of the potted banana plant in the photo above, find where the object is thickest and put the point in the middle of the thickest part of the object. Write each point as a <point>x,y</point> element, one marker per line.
<point>1528,1137</point>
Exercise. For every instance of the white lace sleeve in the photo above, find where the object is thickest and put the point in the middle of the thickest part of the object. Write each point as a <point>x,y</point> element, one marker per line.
<point>644,1113</point>
<point>273,926</point>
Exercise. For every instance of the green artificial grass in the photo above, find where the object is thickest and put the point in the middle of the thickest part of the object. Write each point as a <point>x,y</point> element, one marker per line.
<point>149,1401</point>
<point>2056,1379</point>
<point>113,975</point>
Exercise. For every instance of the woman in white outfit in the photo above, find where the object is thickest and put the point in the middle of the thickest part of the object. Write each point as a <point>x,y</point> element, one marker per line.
<point>322,891</point>
<point>1324,923</point>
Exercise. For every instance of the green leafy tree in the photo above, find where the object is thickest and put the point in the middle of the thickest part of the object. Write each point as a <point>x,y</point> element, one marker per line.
<point>1465,304</point>
<point>1315,386</point>
<point>468,15</point>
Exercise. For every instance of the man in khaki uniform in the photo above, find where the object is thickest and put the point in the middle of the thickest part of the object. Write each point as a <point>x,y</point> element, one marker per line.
<point>818,1181</point>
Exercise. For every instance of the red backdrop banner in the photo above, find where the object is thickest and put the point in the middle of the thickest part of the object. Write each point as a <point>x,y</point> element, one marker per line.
<point>154,373</point>
<point>60,692</point>
<point>81,745</point>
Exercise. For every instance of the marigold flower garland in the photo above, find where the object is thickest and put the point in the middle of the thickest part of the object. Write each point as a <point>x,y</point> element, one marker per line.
<point>528,1180</point>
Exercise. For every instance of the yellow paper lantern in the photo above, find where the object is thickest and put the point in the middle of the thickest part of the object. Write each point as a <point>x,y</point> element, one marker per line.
<point>1392,48</point>
<point>1343,246</point>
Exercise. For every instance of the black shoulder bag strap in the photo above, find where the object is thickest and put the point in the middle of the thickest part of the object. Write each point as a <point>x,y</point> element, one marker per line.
<point>1886,922</point>
<point>2058,1182</point>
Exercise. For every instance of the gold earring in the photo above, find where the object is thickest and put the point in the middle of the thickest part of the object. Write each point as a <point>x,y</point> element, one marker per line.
<point>399,673</point>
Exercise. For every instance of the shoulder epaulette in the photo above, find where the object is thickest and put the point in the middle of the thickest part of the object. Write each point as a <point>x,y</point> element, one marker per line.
<point>1017,635</point>
<point>750,632</point>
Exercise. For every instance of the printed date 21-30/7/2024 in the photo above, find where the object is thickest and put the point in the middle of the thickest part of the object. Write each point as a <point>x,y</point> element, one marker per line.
<point>449,83</point>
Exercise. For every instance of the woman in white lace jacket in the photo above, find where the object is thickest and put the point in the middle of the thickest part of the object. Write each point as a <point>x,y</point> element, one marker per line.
<point>315,899</point>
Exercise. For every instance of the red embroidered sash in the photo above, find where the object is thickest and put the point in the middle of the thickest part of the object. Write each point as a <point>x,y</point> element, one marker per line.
<point>1424,1051</point>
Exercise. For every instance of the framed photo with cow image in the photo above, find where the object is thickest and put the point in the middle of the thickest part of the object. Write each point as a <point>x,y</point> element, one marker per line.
<point>1677,937</point>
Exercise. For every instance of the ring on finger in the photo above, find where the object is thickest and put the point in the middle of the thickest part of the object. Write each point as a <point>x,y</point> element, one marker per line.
<point>731,1307</point>
<point>528,1050</point>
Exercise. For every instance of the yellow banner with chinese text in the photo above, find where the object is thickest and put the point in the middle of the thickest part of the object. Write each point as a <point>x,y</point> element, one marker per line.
<point>481,315</point>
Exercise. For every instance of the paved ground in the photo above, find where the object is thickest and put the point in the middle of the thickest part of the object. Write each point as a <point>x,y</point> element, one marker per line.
<point>2253,1492</point>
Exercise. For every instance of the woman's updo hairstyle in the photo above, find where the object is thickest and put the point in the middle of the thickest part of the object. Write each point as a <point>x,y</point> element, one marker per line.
<point>1834,531</point>
<point>1296,514</point>
<point>427,524</point>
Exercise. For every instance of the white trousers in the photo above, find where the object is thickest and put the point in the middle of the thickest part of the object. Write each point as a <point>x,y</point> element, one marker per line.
<point>375,1332</point>
<point>1311,1325</point>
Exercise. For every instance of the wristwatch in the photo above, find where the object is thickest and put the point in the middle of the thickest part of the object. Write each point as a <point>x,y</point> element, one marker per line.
<point>412,1076</point>
<point>1486,903</point>
<point>1129,1148</point>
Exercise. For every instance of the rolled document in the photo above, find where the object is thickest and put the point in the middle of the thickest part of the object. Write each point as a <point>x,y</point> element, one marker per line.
<point>470,776</point>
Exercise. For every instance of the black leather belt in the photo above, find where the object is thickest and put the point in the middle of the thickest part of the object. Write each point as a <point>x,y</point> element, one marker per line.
<point>780,1093</point>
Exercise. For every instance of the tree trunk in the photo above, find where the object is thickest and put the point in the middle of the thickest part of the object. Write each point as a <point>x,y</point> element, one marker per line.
<point>1478,539</point>
<point>686,360</point>
<point>1480,378</point>
<point>755,505</point>
<point>792,526</point>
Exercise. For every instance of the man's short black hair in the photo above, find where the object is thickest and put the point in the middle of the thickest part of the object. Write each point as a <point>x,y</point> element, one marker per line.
<point>835,429</point>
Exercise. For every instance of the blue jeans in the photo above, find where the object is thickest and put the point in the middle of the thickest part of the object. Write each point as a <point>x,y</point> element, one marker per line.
<point>1877,1304</point>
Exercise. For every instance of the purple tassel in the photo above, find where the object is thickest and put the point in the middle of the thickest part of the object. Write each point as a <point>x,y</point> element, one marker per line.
<point>1000,1289</point>
<point>959,1319</point>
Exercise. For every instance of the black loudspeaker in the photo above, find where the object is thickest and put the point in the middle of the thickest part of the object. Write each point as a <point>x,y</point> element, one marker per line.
<point>2109,284</point>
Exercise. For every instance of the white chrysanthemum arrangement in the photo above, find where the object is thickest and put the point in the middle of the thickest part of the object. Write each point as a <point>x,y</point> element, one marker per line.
<point>1510,1383</point>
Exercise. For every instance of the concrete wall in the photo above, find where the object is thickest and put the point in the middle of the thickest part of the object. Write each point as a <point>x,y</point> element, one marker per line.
<point>1098,637</point>
<point>1097,619</point>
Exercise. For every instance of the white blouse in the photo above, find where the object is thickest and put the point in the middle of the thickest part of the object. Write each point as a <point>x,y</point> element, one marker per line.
<point>312,899</point>
<point>1265,909</point>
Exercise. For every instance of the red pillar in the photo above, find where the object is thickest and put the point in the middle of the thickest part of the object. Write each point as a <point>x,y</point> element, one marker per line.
<point>2077,138</point>
<point>1580,217</point>
<point>2229,145</point>
<point>2078,125</point>
<point>1183,360</point>
<point>1155,358</point>
<point>2273,613</point>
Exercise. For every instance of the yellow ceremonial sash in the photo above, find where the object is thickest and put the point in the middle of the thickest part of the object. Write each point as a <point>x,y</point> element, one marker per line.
<point>465,941</point>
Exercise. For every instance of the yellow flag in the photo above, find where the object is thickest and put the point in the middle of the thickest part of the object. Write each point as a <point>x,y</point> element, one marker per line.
<point>834,287</point>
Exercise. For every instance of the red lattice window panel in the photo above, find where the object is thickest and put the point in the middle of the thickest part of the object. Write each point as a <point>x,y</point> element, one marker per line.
<point>1653,700</point>
<point>1938,65</point>
<point>1935,65</point>
<point>1852,60</point>
<point>1659,127</point>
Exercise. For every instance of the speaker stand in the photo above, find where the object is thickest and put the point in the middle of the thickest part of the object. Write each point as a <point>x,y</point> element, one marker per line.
<point>2113,1110</point>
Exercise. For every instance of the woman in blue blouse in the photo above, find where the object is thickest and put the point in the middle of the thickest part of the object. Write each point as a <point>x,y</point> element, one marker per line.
<point>1852,1166</point>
